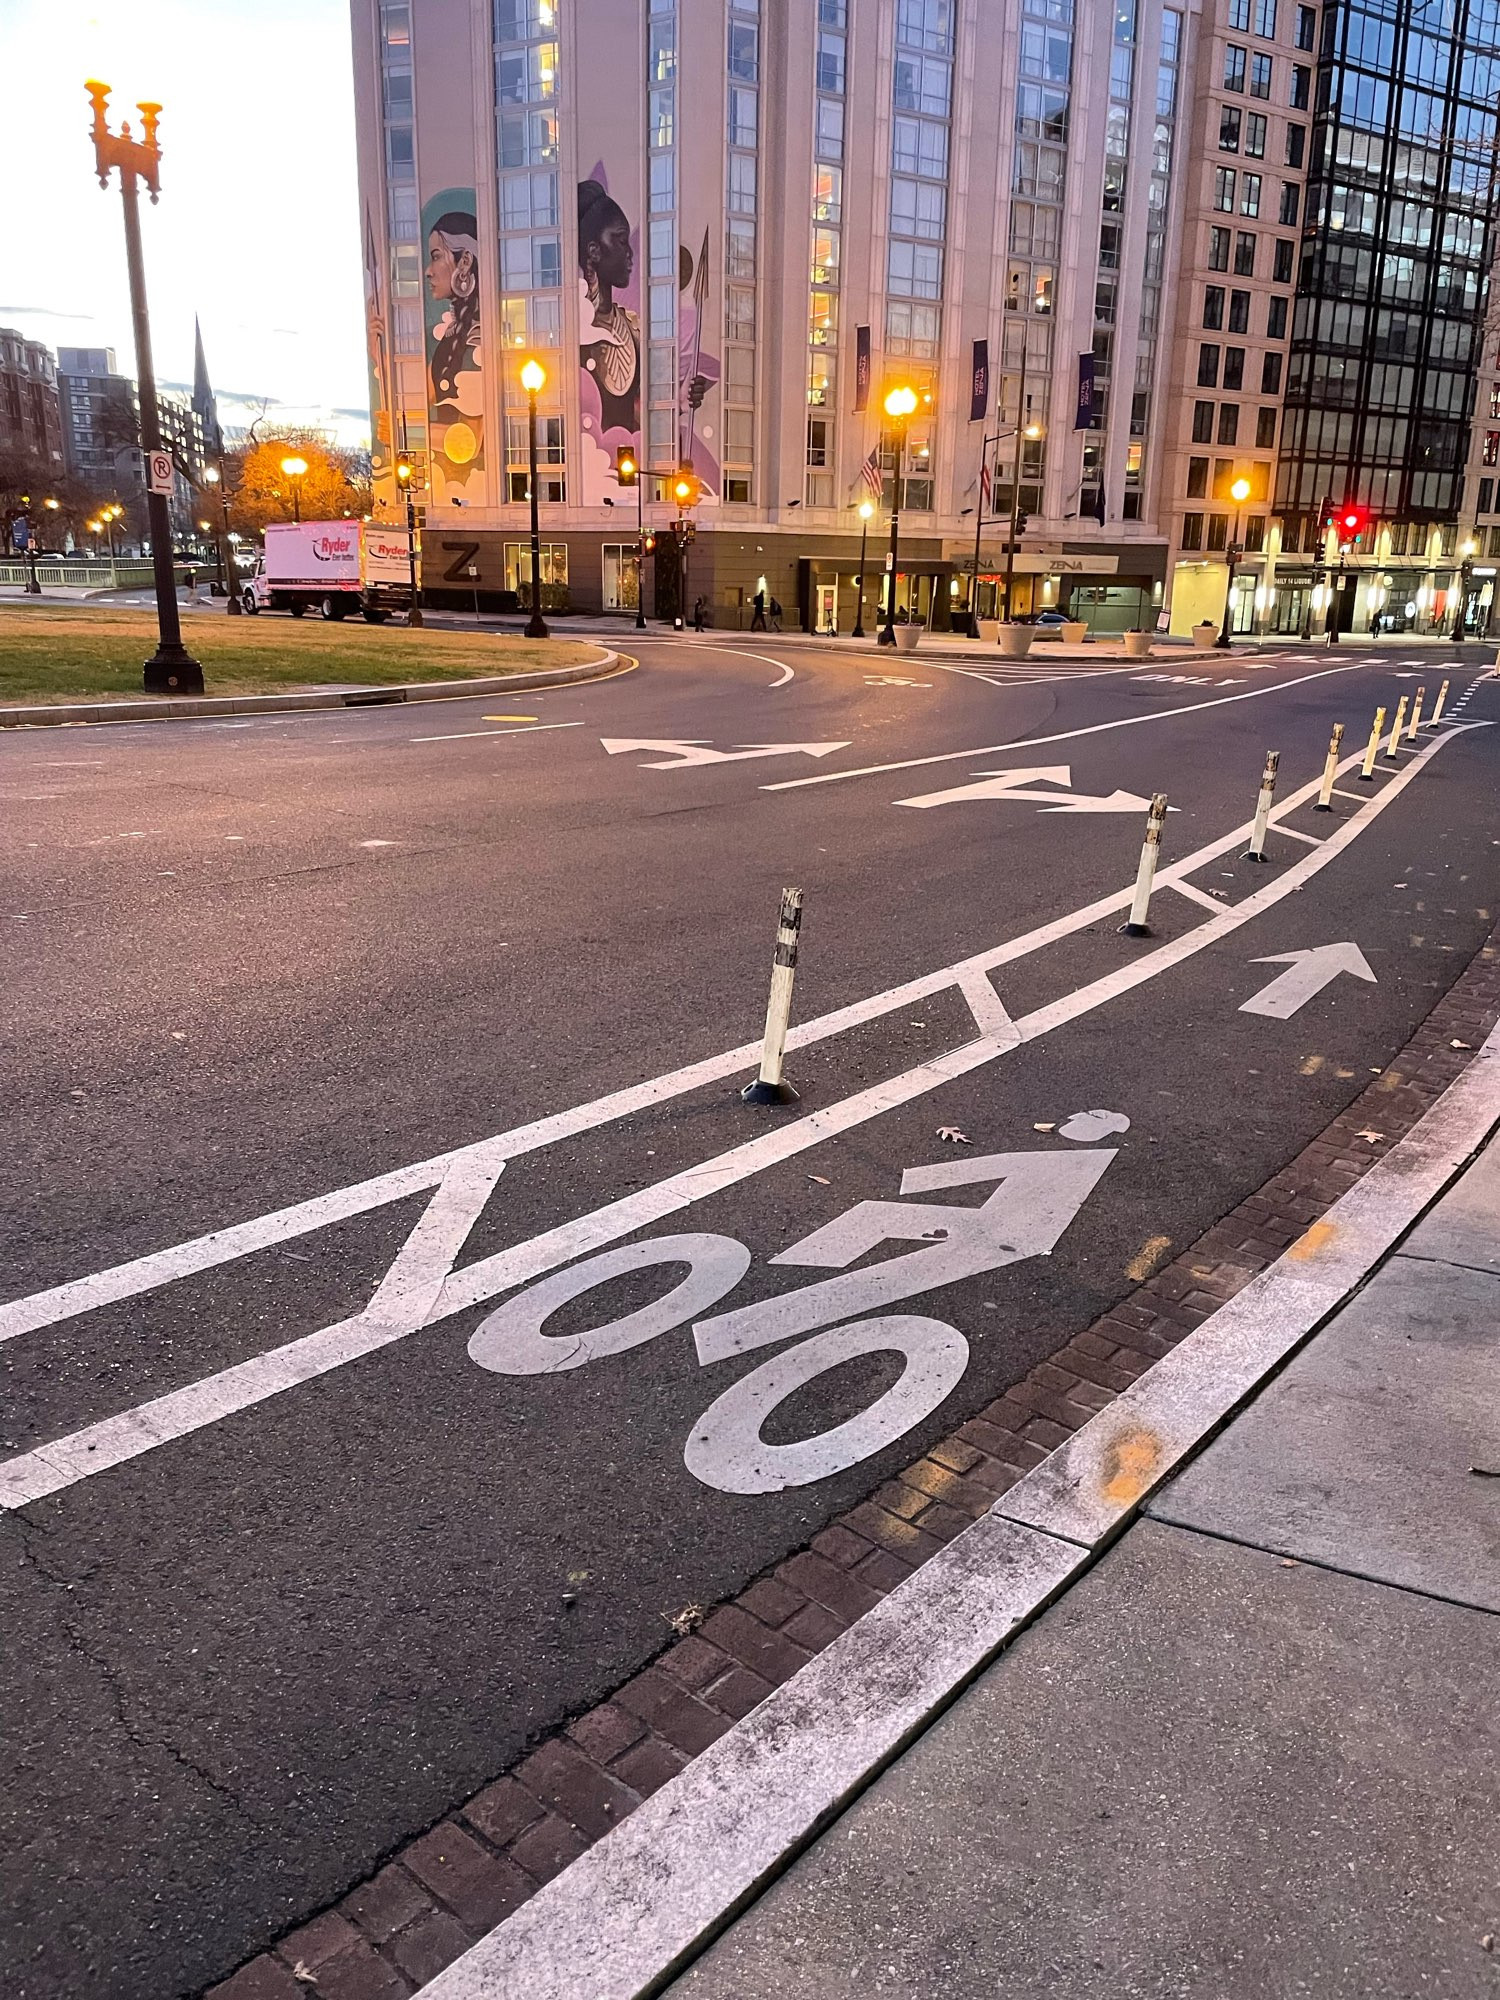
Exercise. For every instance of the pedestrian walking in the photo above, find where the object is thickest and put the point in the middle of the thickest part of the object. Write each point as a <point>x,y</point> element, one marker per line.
<point>758,612</point>
<point>190,584</point>
<point>697,614</point>
<point>775,614</point>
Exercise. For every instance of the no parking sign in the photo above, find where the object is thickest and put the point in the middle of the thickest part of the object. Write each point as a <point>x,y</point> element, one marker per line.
<point>160,473</point>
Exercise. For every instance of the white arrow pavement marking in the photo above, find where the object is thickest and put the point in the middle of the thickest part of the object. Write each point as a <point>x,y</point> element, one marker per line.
<point>1011,785</point>
<point>1310,972</point>
<point>682,755</point>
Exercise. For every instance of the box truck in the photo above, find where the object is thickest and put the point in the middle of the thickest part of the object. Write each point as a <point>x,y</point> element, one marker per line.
<point>334,567</point>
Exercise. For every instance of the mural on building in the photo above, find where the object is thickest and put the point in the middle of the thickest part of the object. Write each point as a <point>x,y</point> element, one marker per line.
<point>697,372</point>
<point>609,335</point>
<point>455,359</point>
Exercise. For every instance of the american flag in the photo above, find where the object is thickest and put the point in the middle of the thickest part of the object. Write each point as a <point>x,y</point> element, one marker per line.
<point>986,486</point>
<point>870,482</point>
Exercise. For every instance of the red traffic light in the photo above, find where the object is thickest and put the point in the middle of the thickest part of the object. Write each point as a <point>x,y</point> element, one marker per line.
<point>1352,522</point>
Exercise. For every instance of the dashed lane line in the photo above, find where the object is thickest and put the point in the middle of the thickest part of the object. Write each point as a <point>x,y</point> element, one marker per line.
<point>1064,736</point>
<point>422,1288</point>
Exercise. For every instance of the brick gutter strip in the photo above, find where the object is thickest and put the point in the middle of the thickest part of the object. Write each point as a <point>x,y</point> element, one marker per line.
<point>176,708</point>
<point>642,1903</point>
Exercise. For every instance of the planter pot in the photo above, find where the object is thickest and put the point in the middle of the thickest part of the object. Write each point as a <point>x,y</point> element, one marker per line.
<point>1204,635</point>
<point>1015,640</point>
<point>1137,645</point>
<point>907,637</point>
<point>989,630</point>
<point>1074,632</point>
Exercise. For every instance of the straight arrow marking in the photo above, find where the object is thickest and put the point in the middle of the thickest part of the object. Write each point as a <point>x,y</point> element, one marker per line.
<point>1308,973</point>
<point>1014,785</point>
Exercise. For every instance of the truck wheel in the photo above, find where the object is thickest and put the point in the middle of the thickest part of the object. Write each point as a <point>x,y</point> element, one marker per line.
<point>332,609</point>
<point>249,602</point>
<point>297,608</point>
<point>374,615</point>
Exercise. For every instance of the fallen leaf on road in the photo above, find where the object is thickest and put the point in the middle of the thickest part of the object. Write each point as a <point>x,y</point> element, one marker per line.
<point>688,1619</point>
<point>1288,1562</point>
<point>821,1180</point>
<point>951,1136</point>
<point>301,1973</point>
<point>1373,1136</point>
<point>1051,1126</point>
<point>1460,1045</point>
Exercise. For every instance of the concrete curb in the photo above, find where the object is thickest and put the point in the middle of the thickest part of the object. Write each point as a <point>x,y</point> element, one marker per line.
<point>635,1908</point>
<point>192,707</point>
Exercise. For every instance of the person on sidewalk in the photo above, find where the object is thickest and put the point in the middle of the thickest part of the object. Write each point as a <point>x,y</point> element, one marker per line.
<point>697,614</point>
<point>758,612</point>
<point>775,614</point>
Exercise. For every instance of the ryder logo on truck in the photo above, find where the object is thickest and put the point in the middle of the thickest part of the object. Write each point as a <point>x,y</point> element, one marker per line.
<point>333,548</point>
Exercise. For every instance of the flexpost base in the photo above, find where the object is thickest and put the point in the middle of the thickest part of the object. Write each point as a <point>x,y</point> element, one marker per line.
<point>1251,855</point>
<point>761,1092</point>
<point>172,670</point>
<point>1136,930</point>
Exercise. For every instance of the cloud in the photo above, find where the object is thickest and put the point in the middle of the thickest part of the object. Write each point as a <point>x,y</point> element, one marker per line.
<point>43,312</point>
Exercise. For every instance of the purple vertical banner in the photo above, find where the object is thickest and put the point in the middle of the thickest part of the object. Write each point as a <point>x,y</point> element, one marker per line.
<point>979,383</point>
<point>862,368</point>
<point>1084,415</point>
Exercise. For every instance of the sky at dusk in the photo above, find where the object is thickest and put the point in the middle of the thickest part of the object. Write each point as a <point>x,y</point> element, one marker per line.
<point>257,230</point>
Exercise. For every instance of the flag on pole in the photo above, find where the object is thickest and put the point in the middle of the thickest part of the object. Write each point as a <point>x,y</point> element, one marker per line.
<point>870,484</point>
<point>986,486</point>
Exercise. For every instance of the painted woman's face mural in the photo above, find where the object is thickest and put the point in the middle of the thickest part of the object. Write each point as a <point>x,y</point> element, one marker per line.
<point>609,336</point>
<point>455,359</point>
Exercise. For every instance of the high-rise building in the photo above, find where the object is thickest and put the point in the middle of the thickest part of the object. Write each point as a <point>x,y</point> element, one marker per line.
<point>30,416</point>
<point>101,435</point>
<point>1106,244</point>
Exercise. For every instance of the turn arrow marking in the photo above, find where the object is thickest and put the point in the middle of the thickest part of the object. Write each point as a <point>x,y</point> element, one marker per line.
<point>682,755</point>
<point>1013,785</point>
<point>1310,972</point>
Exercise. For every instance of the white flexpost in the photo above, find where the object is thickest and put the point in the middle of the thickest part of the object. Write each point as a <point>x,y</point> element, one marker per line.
<point>1367,769</point>
<point>770,1087</point>
<point>1145,875</point>
<point>1416,716</point>
<point>1257,848</point>
<point>1330,770</point>
<point>1394,744</point>
<point>1437,713</point>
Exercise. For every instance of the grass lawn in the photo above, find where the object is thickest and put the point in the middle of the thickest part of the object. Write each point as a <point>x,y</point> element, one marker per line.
<point>51,653</point>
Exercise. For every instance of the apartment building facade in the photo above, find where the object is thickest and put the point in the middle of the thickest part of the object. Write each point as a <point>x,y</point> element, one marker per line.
<point>30,417</point>
<point>101,437</point>
<point>726,228</point>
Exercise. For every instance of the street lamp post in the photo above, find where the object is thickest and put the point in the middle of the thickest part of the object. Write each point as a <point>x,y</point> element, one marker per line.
<point>866,509</point>
<point>1239,493</point>
<point>403,480</point>
<point>1466,570</point>
<point>900,407</point>
<point>214,476</point>
<point>296,471</point>
<point>171,669</point>
<point>533,377</point>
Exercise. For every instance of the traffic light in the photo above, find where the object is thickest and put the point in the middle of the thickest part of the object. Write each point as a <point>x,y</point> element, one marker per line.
<point>687,488</point>
<point>627,469</point>
<point>648,542</point>
<point>1351,523</point>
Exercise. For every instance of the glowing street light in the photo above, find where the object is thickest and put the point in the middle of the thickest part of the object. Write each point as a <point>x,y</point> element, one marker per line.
<point>533,381</point>
<point>403,480</point>
<point>1239,493</point>
<point>900,407</point>
<point>866,515</point>
<point>296,471</point>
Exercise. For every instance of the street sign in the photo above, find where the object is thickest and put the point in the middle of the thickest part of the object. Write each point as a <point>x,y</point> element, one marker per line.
<point>161,474</point>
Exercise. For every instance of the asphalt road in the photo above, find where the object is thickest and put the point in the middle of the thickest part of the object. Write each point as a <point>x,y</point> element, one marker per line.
<point>261,1632</point>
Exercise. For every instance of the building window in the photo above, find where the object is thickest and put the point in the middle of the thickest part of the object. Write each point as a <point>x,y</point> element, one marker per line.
<point>1491,452</point>
<point>554,566</point>
<point>1270,375</point>
<point>1296,145</point>
<point>1265,430</point>
<point>1213,306</point>
<point>1192,531</point>
<point>1197,478</point>
<point>1307,27</point>
<point>1234,367</point>
<point>1218,249</point>
<point>744,51</point>
<point>1255,534</point>
<point>1224,187</point>
<point>830,63</point>
<point>1235,63</point>
<point>1260,76</point>
<point>1229,423</point>
<point>1230,120</point>
<point>1237,13</point>
<point>1265,19</point>
<point>1239,312</point>
<point>1286,214</point>
<point>1218,531</point>
<point>1250,194</point>
<point>1255,136</point>
<point>1203,423</point>
<point>1301,88</point>
<point>1244,253</point>
<point>1276,319</point>
<point>1281,263</point>
<point>1208,365</point>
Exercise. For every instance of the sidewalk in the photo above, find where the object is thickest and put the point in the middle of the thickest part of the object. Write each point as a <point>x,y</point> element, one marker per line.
<point>1255,1750</point>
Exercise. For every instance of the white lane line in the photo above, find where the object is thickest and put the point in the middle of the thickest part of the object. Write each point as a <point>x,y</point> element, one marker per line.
<point>787,674</point>
<point>1195,894</point>
<point>1065,736</point>
<point>525,729</point>
<point>224,1246</point>
<point>1312,839</point>
<point>161,1267</point>
<point>65,1461</point>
